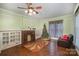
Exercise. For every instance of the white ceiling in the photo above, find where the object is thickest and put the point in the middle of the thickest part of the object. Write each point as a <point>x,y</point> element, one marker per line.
<point>48,9</point>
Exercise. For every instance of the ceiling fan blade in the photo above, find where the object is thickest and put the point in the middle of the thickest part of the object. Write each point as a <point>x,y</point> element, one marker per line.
<point>38,7</point>
<point>35,11</point>
<point>21,8</point>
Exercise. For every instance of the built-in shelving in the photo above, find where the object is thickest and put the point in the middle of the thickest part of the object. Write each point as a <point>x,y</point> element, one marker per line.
<point>9,39</point>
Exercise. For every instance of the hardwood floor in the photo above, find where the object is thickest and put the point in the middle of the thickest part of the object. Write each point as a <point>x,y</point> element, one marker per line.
<point>51,50</point>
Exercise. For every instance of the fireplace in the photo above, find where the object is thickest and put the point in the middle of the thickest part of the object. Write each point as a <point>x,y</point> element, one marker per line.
<point>28,36</point>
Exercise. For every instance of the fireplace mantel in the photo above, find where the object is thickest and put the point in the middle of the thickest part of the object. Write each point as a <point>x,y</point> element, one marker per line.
<point>28,36</point>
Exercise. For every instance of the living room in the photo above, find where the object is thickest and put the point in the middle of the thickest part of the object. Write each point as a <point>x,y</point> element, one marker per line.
<point>14,21</point>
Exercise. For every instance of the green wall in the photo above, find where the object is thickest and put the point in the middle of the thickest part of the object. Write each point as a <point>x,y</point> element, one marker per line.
<point>68,23</point>
<point>10,20</point>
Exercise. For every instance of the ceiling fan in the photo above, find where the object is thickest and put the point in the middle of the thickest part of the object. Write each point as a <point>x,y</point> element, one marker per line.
<point>30,9</point>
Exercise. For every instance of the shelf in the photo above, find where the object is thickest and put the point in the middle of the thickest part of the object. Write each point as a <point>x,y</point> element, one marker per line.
<point>10,38</point>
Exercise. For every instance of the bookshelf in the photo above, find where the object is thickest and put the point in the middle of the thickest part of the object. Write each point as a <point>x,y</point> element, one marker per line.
<point>9,39</point>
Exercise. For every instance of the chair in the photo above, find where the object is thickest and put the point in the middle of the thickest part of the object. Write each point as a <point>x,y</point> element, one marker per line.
<point>66,43</point>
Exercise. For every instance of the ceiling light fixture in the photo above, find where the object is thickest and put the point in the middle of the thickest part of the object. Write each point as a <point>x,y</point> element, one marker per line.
<point>30,14</point>
<point>26,11</point>
<point>30,10</point>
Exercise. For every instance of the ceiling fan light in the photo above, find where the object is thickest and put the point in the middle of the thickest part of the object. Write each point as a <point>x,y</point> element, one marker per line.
<point>34,12</point>
<point>30,10</point>
<point>30,13</point>
<point>26,11</point>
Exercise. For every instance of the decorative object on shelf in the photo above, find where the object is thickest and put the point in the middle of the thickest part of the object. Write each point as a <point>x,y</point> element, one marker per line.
<point>34,28</point>
<point>31,10</point>
<point>45,33</point>
<point>29,28</point>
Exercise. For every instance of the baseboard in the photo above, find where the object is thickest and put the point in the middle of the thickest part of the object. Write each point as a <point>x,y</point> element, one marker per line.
<point>53,38</point>
<point>77,51</point>
<point>0,51</point>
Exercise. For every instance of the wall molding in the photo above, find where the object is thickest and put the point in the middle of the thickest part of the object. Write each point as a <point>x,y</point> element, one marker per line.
<point>76,8</point>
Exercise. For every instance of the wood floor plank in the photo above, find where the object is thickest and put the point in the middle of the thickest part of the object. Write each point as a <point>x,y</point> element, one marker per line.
<point>51,50</point>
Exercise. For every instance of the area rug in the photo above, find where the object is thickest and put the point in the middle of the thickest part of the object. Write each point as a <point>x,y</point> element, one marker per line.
<point>37,45</point>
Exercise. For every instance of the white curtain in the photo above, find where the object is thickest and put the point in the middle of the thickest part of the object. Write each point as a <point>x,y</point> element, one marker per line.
<point>56,29</point>
<point>52,30</point>
<point>60,29</point>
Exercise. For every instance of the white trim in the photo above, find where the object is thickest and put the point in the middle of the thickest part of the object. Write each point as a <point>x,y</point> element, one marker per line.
<point>10,12</point>
<point>77,50</point>
<point>0,51</point>
<point>76,8</point>
<point>54,38</point>
<point>10,44</point>
<point>13,13</point>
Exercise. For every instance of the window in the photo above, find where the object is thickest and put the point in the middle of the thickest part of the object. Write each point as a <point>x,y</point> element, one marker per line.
<point>77,30</point>
<point>55,28</point>
<point>77,26</point>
